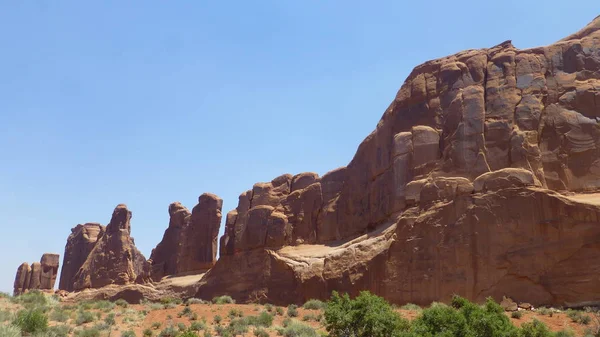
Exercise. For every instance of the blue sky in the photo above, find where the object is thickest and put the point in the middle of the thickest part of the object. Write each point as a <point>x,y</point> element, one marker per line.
<point>150,102</point>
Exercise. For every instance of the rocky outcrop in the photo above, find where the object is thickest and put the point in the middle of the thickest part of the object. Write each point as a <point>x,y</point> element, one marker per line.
<point>189,244</point>
<point>40,275</point>
<point>114,259</point>
<point>464,165</point>
<point>79,245</point>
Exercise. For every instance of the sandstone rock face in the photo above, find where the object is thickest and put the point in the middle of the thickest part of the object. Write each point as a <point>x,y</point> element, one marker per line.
<point>114,259</point>
<point>464,165</point>
<point>40,275</point>
<point>189,245</point>
<point>79,245</point>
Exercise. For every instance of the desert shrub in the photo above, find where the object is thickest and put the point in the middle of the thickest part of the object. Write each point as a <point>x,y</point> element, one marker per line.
<point>155,306</point>
<point>59,315</point>
<point>223,300</point>
<point>264,319</point>
<point>578,317</point>
<point>487,320</point>
<point>516,314</point>
<point>156,325</point>
<point>365,316</point>
<point>87,332</point>
<point>84,317</point>
<point>238,326</point>
<point>233,313</point>
<point>181,326</point>
<point>10,331</point>
<point>207,333</point>
<point>269,307</point>
<point>62,330</point>
<point>110,319</point>
<point>297,329</point>
<point>279,311</point>
<point>102,326</point>
<point>86,305</point>
<point>171,300</point>
<point>185,312</point>
<point>410,306</point>
<point>193,316</point>
<point>128,333</point>
<point>314,305</point>
<point>197,326</point>
<point>169,331</point>
<point>122,303</point>
<point>311,317</point>
<point>147,332</point>
<point>104,305</point>
<point>545,311</point>
<point>188,333</point>
<point>4,295</point>
<point>260,332</point>
<point>217,319</point>
<point>286,322</point>
<point>31,320</point>
<point>534,328</point>
<point>223,331</point>
<point>196,301</point>
<point>292,310</point>
<point>564,333</point>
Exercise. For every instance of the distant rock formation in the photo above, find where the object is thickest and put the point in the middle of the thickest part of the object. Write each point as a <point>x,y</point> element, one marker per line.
<point>189,244</point>
<point>79,245</point>
<point>96,256</point>
<point>453,193</point>
<point>40,275</point>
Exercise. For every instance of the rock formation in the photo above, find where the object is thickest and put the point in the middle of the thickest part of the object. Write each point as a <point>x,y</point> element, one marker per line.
<point>189,244</point>
<point>79,245</point>
<point>113,259</point>
<point>455,192</point>
<point>40,275</point>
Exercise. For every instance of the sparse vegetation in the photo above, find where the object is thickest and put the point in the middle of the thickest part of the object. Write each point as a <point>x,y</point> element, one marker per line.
<point>279,311</point>
<point>156,325</point>
<point>59,315</point>
<point>196,301</point>
<point>233,313</point>
<point>516,314</point>
<point>169,331</point>
<point>260,332</point>
<point>534,328</point>
<point>223,300</point>
<point>181,326</point>
<point>314,305</point>
<point>297,329</point>
<point>217,319</point>
<point>269,307</point>
<point>147,333</point>
<point>579,317</point>
<point>62,330</point>
<point>87,332</point>
<point>128,333</point>
<point>110,319</point>
<point>197,326</point>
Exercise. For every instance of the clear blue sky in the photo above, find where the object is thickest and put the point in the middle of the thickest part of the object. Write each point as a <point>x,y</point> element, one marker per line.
<point>150,102</point>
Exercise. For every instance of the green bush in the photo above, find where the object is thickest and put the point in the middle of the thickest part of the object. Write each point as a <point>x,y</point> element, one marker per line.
<point>578,317</point>
<point>310,317</point>
<point>147,333</point>
<point>545,311</point>
<point>156,325</point>
<point>102,326</point>
<point>516,314</point>
<point>171,300</point>
<point>534,328</point>
<point>297,329</point>
<point>10,331</point>
<point>169,331</point>
<point>233,313</point>
<point>87,332</point>
<point>264,319</point>
<point>197,326</point>
<point>260,332</point>
<point>279,311</point>
<point>314,305</point>
<point>31,321</point>
<point>207,333</point>
<point>196,301</point>
<point>223,300</point>
<point>84,317</point>
<point>128,333</point>
<point>122,303</point>
<point>365,316</point>
<point>269,307</point>
<point>217,319</point>
<point>181,326</point>
<point>238,326</point>
<point>292,310</point>
<point>188,333</point>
